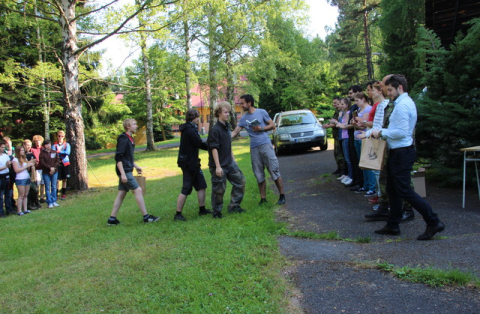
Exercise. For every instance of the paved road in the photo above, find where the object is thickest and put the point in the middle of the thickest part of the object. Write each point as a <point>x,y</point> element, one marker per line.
<point>335,277</point>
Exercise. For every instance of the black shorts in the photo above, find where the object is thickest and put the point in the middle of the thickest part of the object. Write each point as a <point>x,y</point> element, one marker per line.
<point>193,179</point>
<point>63,172</point>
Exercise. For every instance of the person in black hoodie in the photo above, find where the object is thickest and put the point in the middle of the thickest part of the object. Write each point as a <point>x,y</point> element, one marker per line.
<point>188,160</point>
<point>124,164</point>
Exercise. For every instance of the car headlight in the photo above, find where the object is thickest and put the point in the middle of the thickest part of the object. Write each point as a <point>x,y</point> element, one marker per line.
<point>318,133</point>
<point>284,136</point>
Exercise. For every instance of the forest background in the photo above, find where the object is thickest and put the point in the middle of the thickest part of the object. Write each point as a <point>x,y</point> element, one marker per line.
<point>50,74</point>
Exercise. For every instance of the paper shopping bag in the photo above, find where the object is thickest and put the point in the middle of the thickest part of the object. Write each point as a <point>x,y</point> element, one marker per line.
<point>142,182</point>
<point>372,155</point>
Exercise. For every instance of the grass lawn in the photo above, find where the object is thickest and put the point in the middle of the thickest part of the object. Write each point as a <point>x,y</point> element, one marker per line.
<point>67,260</point>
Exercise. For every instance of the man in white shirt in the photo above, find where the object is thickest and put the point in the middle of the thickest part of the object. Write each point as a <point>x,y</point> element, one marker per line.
<point>4,178</point>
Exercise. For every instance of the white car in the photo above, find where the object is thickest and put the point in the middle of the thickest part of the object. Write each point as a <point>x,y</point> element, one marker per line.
<point>298,129</point>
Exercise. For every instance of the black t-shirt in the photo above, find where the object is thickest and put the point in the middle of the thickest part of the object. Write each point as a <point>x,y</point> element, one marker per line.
<point>220,138</point>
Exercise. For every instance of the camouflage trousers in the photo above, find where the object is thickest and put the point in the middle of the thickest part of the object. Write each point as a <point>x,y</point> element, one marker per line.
<point>219,184</point>
<point>338,155</point>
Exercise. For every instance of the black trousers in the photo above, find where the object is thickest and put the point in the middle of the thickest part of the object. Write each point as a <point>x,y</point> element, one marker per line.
<point>399,166</point>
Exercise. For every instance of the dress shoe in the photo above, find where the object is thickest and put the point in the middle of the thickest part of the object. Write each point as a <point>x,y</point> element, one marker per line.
<point>377,216</point>
<point>431,231</point>
<point>388,231</point>
<point>408,215</point>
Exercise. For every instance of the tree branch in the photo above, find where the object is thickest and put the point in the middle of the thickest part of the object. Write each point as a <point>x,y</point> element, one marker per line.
<point>28,14</point>
<point>96,10</point>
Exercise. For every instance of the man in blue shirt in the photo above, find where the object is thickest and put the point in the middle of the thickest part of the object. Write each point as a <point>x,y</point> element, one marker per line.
<point>399,136</point>
<point>257,122</point>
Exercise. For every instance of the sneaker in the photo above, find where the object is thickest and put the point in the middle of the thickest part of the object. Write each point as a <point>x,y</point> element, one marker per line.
<point>348,181</point>
<point>64,197</point>
<point>369,194</point>
<point>55,204</point>
<point>27,212</point>
<point>342,177</point>
<point>179,216</point>
<point>42,200</point>
<point>281,200</point>
<point>20,214</point>
<point>205,211</point>
<point>373,200</point>
<point>263,201</point>
<point>217,214</point>
<point>113,222</point>
<point>150,218</point>
<point>345,179</point>
<point>50,206</point>
<point>361,190</point>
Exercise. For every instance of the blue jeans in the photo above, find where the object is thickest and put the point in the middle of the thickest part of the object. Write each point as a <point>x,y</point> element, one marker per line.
<point>347,157</point>
<point>369,181</point>
<point>50,187</point>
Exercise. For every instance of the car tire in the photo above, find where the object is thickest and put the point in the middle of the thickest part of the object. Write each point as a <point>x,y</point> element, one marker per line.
<point>324,146</point>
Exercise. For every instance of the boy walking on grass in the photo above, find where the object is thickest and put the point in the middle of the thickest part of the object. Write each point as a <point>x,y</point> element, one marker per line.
<point>124,168</point>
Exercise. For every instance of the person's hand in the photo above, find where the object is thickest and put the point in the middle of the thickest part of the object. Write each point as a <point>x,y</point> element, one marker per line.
<point>139,170</point>
<point>324,126</point>
<point>8,163</point>
<point>362,135</point>
<point>334,121</point>
<point>123,178</point>
<point>219,172</point>
<point>376,133</point>
<point>257,128</point>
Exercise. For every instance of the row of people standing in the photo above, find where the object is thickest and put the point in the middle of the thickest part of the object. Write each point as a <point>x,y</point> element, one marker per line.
<point>395,124</point>
<point>34,170</point>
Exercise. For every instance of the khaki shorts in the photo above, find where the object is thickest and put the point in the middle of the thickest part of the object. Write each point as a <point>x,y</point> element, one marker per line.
<point>263,156</point>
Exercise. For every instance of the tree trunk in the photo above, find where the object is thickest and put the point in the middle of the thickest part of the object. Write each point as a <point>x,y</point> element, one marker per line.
<point>231,88</point>
<point>187,63</point>
<point>46,105</point>
<point>148,93</point>
<point>368,52</point>
<point>73,102</point>
<point>212,65</point>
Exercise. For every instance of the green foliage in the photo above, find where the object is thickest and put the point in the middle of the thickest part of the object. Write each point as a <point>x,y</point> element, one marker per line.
<point>431,276</point>
<point>448,112</point>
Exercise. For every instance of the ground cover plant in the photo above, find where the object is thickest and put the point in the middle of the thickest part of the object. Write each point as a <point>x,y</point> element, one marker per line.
<point>66,260</point>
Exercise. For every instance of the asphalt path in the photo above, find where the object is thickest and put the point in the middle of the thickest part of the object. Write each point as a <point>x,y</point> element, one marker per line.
<point>338,276</point>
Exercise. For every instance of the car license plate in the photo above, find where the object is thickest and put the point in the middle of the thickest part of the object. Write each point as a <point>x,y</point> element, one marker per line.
<point>302,140</point>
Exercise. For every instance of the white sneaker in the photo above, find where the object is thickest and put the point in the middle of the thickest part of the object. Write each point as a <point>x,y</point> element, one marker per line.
<point>347,182</point>
<point>55,204</point>
<point>345,179</point>
<point>50,206</point>
<point>342,177</point>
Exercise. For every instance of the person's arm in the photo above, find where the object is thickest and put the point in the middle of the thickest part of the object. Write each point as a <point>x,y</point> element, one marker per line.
<point>236,131</point>
<point>196,140</point>
<point>67,149</point>
<point>216,159</point>
<point>123,177</point>
<point>18,168</point>
<point>270,126</point>
<point>399,123</point>
<point>139,170</point>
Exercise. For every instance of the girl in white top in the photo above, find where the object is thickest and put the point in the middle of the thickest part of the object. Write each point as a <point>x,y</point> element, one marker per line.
<point>22,180</point>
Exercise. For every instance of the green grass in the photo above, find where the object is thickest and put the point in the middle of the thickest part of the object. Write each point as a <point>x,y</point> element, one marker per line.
<point>332,235</point>
<point>431,276</point>
<point>67,260</point>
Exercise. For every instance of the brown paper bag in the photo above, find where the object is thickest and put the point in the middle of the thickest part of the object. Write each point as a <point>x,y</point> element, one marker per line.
<point>142,182</point>
<point>373,152</point>
<point>33,174</point>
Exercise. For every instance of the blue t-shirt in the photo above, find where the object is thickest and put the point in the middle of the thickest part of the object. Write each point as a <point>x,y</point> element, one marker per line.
<point>256,138</point>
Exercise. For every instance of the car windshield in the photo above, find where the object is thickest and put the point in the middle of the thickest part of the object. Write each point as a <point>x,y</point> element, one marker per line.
<point>297,118</point>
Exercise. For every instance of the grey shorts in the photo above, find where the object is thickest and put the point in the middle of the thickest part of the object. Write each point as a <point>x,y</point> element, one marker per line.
<point>264,156</point>
<point>131,182</point>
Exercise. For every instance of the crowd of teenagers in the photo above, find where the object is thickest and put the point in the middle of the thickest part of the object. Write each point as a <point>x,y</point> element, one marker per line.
<point>36,168</point>
<point>385,112</point>
<point>221,162</point>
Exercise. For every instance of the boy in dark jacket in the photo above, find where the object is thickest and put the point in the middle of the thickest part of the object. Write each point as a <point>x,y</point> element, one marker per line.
<point>124,168</point>
<point>188,160</point>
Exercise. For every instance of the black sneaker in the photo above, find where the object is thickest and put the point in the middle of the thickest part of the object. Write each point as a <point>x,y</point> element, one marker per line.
<point>263,201</point>
<point>150,218</point>
<point>203,212</point>
<point>113,221</point>
<point>281,200</point>
<point>217,214</point>
<point>179,216</point>
<point>42,200</point>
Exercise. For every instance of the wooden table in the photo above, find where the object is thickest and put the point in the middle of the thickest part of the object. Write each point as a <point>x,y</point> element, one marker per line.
<point>466,158</point>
